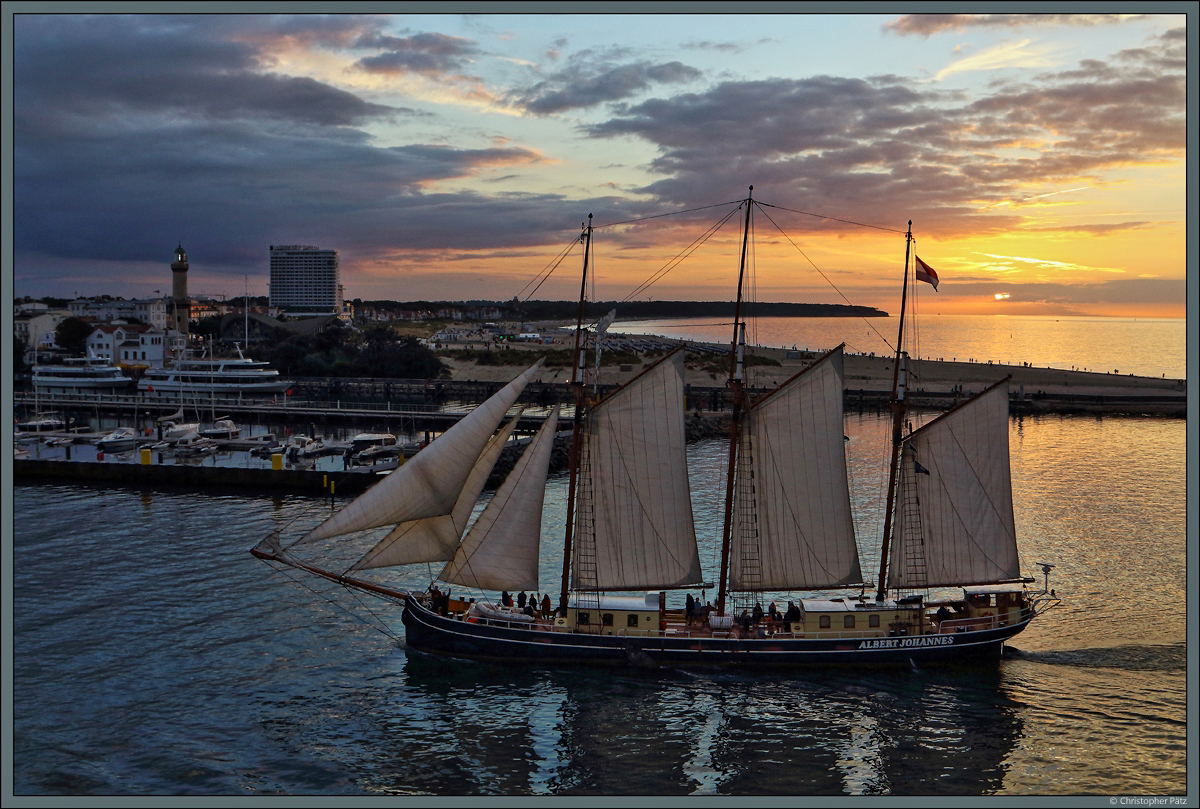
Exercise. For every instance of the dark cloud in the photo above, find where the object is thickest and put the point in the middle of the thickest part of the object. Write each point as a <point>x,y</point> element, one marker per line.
<point>591,79</point>
<point>135,132</point>
<point>104,69</point>
<point>428,54</point>
<point>881,147</point>
<point>927,24</point>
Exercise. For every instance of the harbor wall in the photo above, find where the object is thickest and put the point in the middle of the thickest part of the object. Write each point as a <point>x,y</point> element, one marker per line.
<point>195,477</point>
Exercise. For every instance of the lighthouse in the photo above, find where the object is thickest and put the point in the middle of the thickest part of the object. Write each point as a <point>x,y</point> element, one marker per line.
<point>180,303</point>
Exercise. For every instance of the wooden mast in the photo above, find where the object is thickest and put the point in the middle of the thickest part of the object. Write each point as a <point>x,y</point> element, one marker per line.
<point>897,405</point>
<point>737,400</point>
<point>576,421</point>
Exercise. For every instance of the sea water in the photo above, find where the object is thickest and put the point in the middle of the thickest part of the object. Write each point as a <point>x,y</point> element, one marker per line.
<point>1151,347</point>
<point>152,655</point>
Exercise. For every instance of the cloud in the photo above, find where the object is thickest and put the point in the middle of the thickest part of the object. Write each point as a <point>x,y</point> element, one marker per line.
<point>1093,229</point>
<point>877,147</point>
<point>928,24</point>
<point>127,138</point>
<point>591,79</point>
<point>1021,54</point>
<point>428,54</point>
<point>135,132</point>
<point>106,69</point>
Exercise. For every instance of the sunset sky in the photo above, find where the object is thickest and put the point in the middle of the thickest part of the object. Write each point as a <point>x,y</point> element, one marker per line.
<point>450,157</point>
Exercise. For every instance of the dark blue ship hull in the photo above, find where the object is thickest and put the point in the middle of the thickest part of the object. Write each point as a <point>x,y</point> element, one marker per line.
<point>430,632</point>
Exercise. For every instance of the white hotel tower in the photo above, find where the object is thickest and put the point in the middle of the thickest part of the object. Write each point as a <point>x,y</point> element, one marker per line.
<point>304,280</point>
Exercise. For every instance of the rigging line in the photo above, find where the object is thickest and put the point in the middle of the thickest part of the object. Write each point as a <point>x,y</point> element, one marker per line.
<point>823,275</point>
<point>829,218</point>
<point>673,213</point>
<point>681,255</point>
<point>546,271</point>
<point>303,582</point>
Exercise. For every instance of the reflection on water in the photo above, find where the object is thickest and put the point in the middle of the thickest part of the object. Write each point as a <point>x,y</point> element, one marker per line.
<point>153,655</point>
<point>1154,347</point>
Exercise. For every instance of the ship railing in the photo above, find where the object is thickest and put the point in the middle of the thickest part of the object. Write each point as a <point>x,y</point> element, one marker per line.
<point>976,623</point>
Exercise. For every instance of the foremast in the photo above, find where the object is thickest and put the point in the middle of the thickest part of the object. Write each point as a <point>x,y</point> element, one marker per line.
<point>737,398</point>
<point>898,408</point>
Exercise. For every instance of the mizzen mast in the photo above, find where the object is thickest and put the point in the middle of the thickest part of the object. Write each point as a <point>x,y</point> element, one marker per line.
<point>897,406</point>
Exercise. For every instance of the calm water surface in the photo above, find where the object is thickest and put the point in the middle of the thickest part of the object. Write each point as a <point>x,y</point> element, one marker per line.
<point>1143,346</point>
<point>154,656</point>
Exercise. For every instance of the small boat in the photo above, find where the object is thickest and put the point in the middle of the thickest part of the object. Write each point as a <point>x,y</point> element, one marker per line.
<point>374,453</point>
<point>173,432</point>
<point>41,423</point>
<point>119,440</point>
<point>949,589</point>
<point>303,446</point>
<point>364,440</point>
<point>221,428</point>
<point>193,446</point>
<point>264,445</point>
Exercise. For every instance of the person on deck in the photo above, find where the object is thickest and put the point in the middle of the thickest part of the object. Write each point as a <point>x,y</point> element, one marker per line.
<point>521,600</point>
<point>690,609</point>
<point>943,614</point>
<point>546,608</point>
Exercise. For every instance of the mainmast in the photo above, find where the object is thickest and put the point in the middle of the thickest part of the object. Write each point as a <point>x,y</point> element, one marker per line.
<point>737,399</point>
<point>897,405</point>
<point>577,420</point>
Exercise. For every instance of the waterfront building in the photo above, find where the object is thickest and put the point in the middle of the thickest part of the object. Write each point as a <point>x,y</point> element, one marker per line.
<point>304,281</point>
<point>151,311</point>
<point>130,345</point>
<point>37,330</point>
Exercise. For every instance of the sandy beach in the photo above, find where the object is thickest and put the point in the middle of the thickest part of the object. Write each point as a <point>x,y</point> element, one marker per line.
<point>870,373</point>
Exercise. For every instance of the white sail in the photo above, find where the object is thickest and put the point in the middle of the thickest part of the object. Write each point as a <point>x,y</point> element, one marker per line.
<point>954,512</point>
<point>434,539</point>
<point>500,552</point>
<point>634,524</point>
<point>430,483</point>
<point>793,527</point>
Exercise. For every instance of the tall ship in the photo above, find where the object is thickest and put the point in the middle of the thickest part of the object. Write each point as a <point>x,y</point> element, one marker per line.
<point>87,374</point>
<point>194,376</point>
<point>949,588</point>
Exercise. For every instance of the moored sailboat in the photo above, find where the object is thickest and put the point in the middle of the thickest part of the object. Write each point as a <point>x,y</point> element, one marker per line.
<point>629,528</point>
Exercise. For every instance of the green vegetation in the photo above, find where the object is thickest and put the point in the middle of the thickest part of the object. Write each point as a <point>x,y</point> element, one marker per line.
<point>71,334</point>
<point>340,351</point>
<point>717,364</point>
